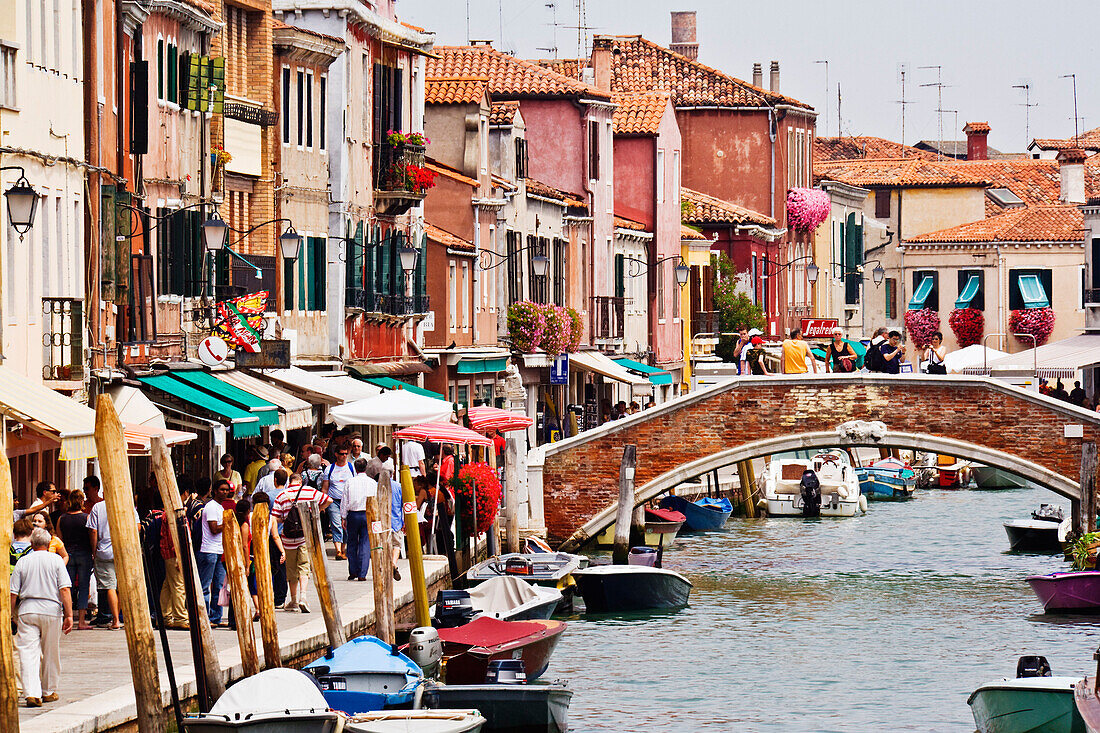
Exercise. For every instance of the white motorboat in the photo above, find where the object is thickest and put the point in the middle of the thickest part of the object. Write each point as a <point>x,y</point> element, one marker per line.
<point>272,701</point>
<point>416,721</point>
<point>507,598</point>
<point>788,486</point>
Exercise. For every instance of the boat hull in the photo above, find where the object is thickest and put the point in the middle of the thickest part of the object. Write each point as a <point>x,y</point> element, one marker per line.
<point>508,708</point>
<point>417,721</point>
<point>468,665</point>
<point>989,477</point>
<point>886,484</point>
<point>1009,708</point>
<point>699,517</point>
<point>1088,705</point>
<point>1033,535</point>
<point>318,722</point>
<point>790,505</point>
<point>632,588</point>
<point>1072,592</point>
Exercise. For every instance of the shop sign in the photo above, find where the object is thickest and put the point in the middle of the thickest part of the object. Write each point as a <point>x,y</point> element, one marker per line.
<point>272,354</point>
<point>559,369</point>
<point>213,351</point>
<point>816,328</point>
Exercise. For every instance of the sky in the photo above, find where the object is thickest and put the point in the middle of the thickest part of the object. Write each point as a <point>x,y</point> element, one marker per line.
<point>984,48</point>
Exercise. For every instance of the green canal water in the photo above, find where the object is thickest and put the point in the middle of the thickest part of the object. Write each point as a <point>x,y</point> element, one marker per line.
<point>884,622</point>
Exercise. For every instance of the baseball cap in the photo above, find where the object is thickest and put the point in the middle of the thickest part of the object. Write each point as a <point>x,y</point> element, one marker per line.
<point>755,332</point>
<point>756,340</point>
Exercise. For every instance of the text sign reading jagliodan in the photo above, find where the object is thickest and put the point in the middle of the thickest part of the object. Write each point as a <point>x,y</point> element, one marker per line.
<point>816,328</point>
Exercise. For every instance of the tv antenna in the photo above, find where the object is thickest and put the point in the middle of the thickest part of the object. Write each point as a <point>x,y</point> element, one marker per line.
<point>1076,119</point>
<point>1027,105</point>
<point>552,6</point>
<point>938,84</point>
<point>902,71</point>
<point>582,30</point>
<point>826,62</point>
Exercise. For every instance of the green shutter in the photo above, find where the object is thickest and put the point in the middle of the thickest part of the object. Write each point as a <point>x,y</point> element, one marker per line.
<point>107,242</point>
<point>620,276</point>
<point>421,284</point>
<point>303,268</point>
<point>216,78</point>
<point>160,69</point>
<point>359,258</point>
<point>387,263</point>
<point>853,256</point>
<point>172,82</point>
<point>320,263</point>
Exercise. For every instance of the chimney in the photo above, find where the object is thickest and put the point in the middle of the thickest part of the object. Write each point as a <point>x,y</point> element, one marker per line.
<point>1071,167</point>
<point>757,76</point>
<point>977,147</point>
<point>684,41</point>
<point>601,62</point>
<point>774,84</point>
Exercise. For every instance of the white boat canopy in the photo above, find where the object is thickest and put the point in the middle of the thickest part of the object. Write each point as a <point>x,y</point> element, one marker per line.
<point>269,691</point>
<point>392,407</point>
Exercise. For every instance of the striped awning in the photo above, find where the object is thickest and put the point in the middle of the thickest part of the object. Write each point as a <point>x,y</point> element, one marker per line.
<point>48,412</point>
<point>139,438</point>
<point>438,432</point>
<point>294,413</point>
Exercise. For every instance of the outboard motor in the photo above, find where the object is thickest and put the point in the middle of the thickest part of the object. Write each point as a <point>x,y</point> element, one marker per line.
<point>426,650</point>
<point>1032,665</point>
<point>811,493</point>
<point>506,672</point>
<point>453,608</point>
<point>518,566</point>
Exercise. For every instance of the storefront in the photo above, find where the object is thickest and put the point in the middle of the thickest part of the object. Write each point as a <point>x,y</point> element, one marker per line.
<point>469,377</point>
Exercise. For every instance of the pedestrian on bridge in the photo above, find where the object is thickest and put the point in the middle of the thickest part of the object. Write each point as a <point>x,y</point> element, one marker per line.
<point>797,358</point>
<point>754,358</point>
<point>892,354</point>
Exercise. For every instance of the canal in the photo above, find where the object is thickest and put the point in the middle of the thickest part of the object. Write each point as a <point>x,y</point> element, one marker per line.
<point>881,622</point>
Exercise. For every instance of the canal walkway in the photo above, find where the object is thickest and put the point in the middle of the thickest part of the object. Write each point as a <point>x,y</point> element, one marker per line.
<point>96,689</point>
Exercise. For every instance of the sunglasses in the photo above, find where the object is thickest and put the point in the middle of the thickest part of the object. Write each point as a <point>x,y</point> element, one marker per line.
<point>341,452</point>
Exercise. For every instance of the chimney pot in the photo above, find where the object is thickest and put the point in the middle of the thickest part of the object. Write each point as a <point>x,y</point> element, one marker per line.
<point>774,82</point>
<point>757,76</point>
<point>977,147</point>
<point>684,40</point>
<point>601,62</point>
<point>1071,170</point>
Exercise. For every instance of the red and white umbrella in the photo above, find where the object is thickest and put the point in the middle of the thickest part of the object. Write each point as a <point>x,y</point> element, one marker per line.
<point>486,418</point>
<point>439,432</point>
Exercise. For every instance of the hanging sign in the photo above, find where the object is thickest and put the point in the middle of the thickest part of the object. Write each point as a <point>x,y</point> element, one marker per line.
<point>559,369</point>
<point>213,351</point>
<point>816,328</point>
<point>242,334</point>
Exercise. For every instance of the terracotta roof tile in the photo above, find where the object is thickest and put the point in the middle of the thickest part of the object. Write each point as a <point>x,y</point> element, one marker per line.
<point>1064,223</point>
<point>204,5</point>
<point>1086,141</point>
<point>1036,182</point>
<point>446,238</point>
<point>508,76</point>
<point>640,65</point>
<point>503,113</point>
<point>702,209</point>
<point>455,90</point>
<point>449,172</point>
<point>899,173</point>
<point>538,188</point>
<point>687,232</point>
<point>864,147</point>
<point>976,127</point>
<point>640,113</point>
<point>621,222</point>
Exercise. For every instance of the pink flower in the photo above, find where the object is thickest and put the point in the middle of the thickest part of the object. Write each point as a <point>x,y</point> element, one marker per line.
<point>807,208</point>
<point>921,324</point>
<point>1038,322</point>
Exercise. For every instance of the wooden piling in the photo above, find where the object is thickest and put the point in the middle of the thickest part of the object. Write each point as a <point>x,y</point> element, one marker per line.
<point>326,595</point>
<point>416,557</point>
<point>387,541</point>
<point>744,473</point>
<point>511,494</point>
<point>207,655</point>
<point>9,695</point>
<point>1088,485</point>
<point>236,574</point>
<point>265,589</point>
<point>625,508</point>
<point>118,492</point>
<point>383,620</point>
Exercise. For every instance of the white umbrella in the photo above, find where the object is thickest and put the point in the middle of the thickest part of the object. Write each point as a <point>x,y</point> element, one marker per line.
<point>971,357</point>
<point>393,407</point>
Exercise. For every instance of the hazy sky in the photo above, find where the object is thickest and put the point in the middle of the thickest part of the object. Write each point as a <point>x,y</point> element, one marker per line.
<point>984,49</point>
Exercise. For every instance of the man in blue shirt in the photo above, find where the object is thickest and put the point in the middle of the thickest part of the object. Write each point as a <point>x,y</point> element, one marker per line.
<point>892,353</point>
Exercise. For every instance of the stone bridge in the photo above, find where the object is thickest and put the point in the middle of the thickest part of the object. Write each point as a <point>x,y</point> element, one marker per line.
<point>976,418</point>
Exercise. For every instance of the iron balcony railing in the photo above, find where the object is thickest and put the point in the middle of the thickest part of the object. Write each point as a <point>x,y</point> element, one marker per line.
<point>392,305</point>
<point>394,166</point>
<point>62,339</point>
<point>608,313</point>
<point>1092,297</point>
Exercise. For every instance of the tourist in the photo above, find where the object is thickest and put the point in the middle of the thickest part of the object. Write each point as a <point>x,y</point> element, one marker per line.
<point>277,447</point>
<point>172,599</point>
<point>335,479</point>
<point>438,509</point>
<point>397,523</point>
<point>934,354</point>
<point>275,545</point>
<point>873,359</point>
<point>45,497</point>
<point>104,562</point>
<point>893,353</point>
<point>258,454</point>
<point>91,488</point>
<point>754,358</point>
<point>210,566</point>
<point>356,449</point>
<point>293,537</point>
<point>634,409</point>
<point>41,520</point>
<point>382,461</point>
<point>412,455</point>
<point>266,482</point>
<point>42,601</point>
<point>797,358</point>
<point>1059,392</point>
<point>236,484</point>
<point>21,541</point>
<point>650,404</point>
<point>353,517</point>
<point>841,357</point>
<point>193,510</point>
<point>744,341</point>
<point>73,528</point>
<point>1077,395</point>
<point>500,447</point>
<point>447,465</point>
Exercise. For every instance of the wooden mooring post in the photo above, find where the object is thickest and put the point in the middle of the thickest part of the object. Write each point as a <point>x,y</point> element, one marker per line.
<point>326,595</point>
<point>416,557</point>
<point>1088,487</point>
<point>9,695</point>
<point>511,494</point>
<point>385,511</point>
<point>383,619</point>
<point>265,589</point>
<point>118,492</point>
<point>236,574</point>
<point>625,511</point>
<point>748,486</point>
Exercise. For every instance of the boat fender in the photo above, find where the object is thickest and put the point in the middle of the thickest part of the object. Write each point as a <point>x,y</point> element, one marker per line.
<point>863,503</point>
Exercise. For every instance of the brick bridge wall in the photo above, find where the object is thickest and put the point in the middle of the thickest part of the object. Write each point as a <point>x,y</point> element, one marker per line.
<point>580,476</point>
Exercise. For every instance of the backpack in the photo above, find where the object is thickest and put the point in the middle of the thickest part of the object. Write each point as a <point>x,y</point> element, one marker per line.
<point>873,358</point>
<point>14,555</point>
<point>292,522</point>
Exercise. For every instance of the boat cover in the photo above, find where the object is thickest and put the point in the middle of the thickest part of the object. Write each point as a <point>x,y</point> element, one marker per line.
<point>270,691</point>
<point>365,654</point>
<point>500,595</point>
<point>665,515</point>
<point>487,631</point>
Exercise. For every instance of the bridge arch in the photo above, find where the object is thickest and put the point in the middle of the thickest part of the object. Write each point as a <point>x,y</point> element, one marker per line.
<point>819,440</point>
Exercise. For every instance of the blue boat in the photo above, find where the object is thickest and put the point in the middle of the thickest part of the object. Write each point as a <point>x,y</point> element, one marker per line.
<point>364,675</point>
<point>701,515</point>
<point>887,480</point>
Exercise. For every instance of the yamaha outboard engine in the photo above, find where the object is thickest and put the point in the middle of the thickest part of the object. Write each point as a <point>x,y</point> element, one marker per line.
<point>506,672</point>
<point>426,650</point>
<point>453,608</point>
<point>1033,666</point>
<point>811,493</point>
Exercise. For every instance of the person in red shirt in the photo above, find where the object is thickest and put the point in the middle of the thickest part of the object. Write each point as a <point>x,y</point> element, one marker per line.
<point>447,465</point>
<point>499,445</point>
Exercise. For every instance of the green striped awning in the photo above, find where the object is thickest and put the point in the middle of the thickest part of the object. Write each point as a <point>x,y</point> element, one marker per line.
<point>1031,290</point>
<point>245,424</point>
<point>481,366</point>
<point>391,383</point>
<point>266,411</point>
<point>653,374</point>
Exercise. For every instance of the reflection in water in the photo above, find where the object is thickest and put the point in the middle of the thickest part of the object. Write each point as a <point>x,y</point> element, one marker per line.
<point>882,622</point>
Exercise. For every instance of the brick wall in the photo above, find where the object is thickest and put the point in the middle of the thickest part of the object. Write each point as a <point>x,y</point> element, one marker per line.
<point>582,479</point>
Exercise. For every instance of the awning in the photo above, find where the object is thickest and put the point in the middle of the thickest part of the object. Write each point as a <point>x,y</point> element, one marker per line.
<point>295,413</point>
<point>1057,360</point>
<point>265,410</point>
<point>330,387</point>
<point>394,407</point>
<point>245,424</point>
<point>139,438</point>
<point>391,383</point>
<point>653,374</point>
<point>594,361</point>
<point>135,408</point>
<point>924,289</point>
<point>1031,290</point>
<point>969,292</point>
<point>388,368</point>
<point>51,413</point>
<point>481,366</point>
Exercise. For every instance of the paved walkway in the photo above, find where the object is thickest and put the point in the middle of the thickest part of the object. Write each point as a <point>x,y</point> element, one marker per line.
<point>96,688</point>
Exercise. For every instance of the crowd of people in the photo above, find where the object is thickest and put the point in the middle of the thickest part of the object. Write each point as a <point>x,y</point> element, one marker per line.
<point>885,354</point>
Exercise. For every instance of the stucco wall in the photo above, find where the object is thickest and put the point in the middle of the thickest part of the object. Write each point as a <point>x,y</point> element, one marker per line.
<point>925,210</point>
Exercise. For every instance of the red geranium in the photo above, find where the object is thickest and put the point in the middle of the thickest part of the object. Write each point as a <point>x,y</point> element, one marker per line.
<point>921,324</point>
<point>479,479</point>
<point>968,324</point>
<point>1039,322</point>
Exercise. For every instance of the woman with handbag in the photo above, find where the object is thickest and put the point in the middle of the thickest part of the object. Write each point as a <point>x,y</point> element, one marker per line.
<point>841,356</point>
<point>935,353</point>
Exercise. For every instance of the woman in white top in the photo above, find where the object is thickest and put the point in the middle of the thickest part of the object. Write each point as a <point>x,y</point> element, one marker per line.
<point>934,354</point>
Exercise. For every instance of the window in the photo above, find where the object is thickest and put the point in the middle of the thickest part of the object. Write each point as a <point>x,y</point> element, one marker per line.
<point>315,276</point>
<point>7,76</point>
<point>160,69</point>
<point>538,288</point>
<point>800,140</point>
<point>620,276</point>
<point>1094,263</point>
<point>790,158</point>
<point>301,105</point>
<point>925,290</point>
<point>515,267</point>
<point>452,295</point>
<point>660,176</point>
<point>661,292</point>
<point>172,80</point>
<point>286,105</point>
<point>891,298</point>
<point>1029,288</point>
<point>971,289</point>
<point>322,112</point>
<point>309,109</point>
<point>465,296</point>
<point>521,158</point>
<point>882,203</point>
<point>755,298</point>
<point>593,150</point>
<point>852,258</point>
<point>560,273</point>
<point>387,110</point>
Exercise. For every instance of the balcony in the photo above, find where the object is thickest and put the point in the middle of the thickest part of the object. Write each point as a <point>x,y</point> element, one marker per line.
<point>62,340</point>
<point>399,181</point>
<point>391,305</point>
<point>608,318</point>
<point>1092,297</point>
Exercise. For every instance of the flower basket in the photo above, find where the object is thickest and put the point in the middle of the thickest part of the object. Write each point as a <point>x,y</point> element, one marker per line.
<point>576,330</point>
<point>526,325</point>
<point>558,334</point>
<point>1039,322</point>
<point>921,324</point>
<point>968,325</point>
<point>480,480</point>
<point>806,208</point>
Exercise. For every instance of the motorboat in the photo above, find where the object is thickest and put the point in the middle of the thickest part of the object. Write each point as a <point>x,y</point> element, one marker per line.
<point>507,598</point>
<point>645,556</point>
<point>272,701</point>
<point>416,721</point>
<point>507,708</point>
<point>1088,703</point>
<point>623,588</point>
<point>991,477</point>
<point>542,568</point>
<point>364,675</point>
<point>702,515</point>
<point>1075,591</point>
<point>788,484</point>
<point>468,649</point>
<point>1045,532</point>
<point>887,479</point>
<point>661,528</point>
<point>1033,702</point>
<point>952,473</point>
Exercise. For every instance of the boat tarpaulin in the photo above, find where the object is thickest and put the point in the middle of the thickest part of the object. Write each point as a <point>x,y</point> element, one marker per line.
<point>1057,360</point>
<point>920,295</point>
<point>266,411</point>
<point>487,631</point>
<point>393,407</point>
<point>294,412</point>
<point>969,292</point>
<point>594,361</point>
<point>51,413</point>
<point>653,374</point>
<point>1031,290</point>
<point>245,424</point>
<point>269,691</point>
<point>499,595</point>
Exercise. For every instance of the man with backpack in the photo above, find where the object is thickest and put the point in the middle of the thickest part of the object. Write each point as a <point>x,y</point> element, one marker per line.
<point>336,478</point>
<point>873,360</point>
<point>293,536</point>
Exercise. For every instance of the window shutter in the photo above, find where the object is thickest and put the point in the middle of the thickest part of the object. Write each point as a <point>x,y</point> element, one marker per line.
<point>139,107</point>
<point>172,82</point>
<point>160,69</point>
<point>320,265</point>
<point>620,276</point>
<point>853,255</point>
<point>398,89</point>
<point>303,275</point>
<point>386,283</point>
<point>217,80</point>
<point>184,81</point>
<point>420,286</point>
<point>288,285</point>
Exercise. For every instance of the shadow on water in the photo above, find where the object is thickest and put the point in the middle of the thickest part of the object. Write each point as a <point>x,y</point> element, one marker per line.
<point>885,621</point>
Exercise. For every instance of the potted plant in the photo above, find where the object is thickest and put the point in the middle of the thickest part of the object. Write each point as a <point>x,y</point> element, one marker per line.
<point>526,325</point>
<point>807,208</point>
<point>476,484</point>
<point>1039,322</point>
<point>558,334</point>
<point>921,324</point>
<point>968,325</point>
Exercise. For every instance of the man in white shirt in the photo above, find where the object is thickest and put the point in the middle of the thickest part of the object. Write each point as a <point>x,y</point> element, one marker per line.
<point>104,560</point>
<point>412,455</point>
<point>210,566</point>
<point>266,483</point>
<point>42,599</point>
<point>353,517</point>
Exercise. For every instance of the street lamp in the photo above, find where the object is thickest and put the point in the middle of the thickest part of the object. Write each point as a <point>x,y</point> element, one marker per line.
<point>683,274</point>
<point>22,203</point>
<point>409,256</point>
<point>540,265</point>
<point>214,232</point>
<point>681,270</point>
<point>878,274</point>
<point>812,272</point>
<point>290,242</point>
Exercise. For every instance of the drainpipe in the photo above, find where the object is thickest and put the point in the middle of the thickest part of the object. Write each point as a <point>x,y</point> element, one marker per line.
<point>772,131</point>
<point>475,296</point>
